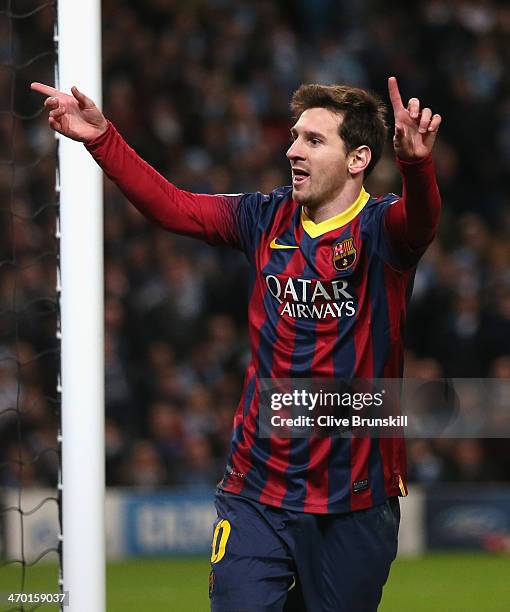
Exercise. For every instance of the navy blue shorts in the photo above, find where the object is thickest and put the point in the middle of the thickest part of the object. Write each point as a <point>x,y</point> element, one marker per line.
<point>266,559</point>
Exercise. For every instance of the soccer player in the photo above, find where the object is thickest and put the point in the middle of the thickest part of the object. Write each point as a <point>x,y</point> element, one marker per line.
<point>309,523</point>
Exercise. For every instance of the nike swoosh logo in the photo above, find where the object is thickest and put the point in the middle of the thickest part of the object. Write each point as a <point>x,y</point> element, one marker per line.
<point>275,245</point>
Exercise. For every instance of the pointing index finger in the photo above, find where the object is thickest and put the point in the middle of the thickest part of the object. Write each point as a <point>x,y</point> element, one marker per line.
<point>44,89</point>
<point>396,100</point>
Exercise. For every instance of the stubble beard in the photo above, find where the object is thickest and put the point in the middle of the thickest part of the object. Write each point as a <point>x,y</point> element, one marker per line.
<point>326,193</point>
<point>303,199</point>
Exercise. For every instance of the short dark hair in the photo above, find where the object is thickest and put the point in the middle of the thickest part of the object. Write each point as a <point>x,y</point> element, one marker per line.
<point>364,115</point>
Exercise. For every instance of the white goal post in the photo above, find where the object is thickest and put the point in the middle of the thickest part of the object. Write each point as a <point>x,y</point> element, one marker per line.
<point>81,302</point>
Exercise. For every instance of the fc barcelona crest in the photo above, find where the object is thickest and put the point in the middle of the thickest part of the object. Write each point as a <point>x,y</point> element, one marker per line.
<point>344,254</point>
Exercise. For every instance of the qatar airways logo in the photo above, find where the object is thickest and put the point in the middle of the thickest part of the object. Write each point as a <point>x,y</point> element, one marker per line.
<point>304,298</point>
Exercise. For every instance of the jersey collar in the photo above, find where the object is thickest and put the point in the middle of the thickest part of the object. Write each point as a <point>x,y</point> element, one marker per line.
<point>318,229</point>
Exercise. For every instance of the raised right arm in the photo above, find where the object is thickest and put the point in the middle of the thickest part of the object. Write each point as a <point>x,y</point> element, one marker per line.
<point>214,218</point>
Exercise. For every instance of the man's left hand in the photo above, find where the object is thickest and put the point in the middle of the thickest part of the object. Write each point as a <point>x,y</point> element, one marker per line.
<point>415,131</point>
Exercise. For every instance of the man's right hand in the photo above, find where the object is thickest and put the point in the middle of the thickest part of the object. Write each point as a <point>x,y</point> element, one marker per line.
<point>75,116</point>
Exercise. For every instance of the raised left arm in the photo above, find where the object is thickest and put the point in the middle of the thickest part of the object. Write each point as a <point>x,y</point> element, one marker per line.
<point>411,223</point>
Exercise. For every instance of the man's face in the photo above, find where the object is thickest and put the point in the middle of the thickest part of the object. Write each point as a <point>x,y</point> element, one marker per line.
<point>317,157</point>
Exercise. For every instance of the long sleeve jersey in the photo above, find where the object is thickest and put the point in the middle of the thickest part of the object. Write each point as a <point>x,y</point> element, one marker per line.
<point>326,300</point>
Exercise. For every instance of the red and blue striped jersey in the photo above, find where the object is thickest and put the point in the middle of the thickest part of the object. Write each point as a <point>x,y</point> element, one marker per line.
<point>310,318</point>
<point>326,300</point>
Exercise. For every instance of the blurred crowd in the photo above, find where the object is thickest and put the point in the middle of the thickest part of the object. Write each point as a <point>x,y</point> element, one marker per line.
<point>201,90</point>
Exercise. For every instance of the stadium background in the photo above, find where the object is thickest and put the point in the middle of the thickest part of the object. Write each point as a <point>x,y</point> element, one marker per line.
<point>201,89</point>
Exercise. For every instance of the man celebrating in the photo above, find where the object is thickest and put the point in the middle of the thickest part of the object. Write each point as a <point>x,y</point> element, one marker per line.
<point>304,524</point>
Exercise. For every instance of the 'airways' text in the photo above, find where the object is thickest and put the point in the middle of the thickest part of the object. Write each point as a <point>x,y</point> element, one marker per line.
<point>322,311</point>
